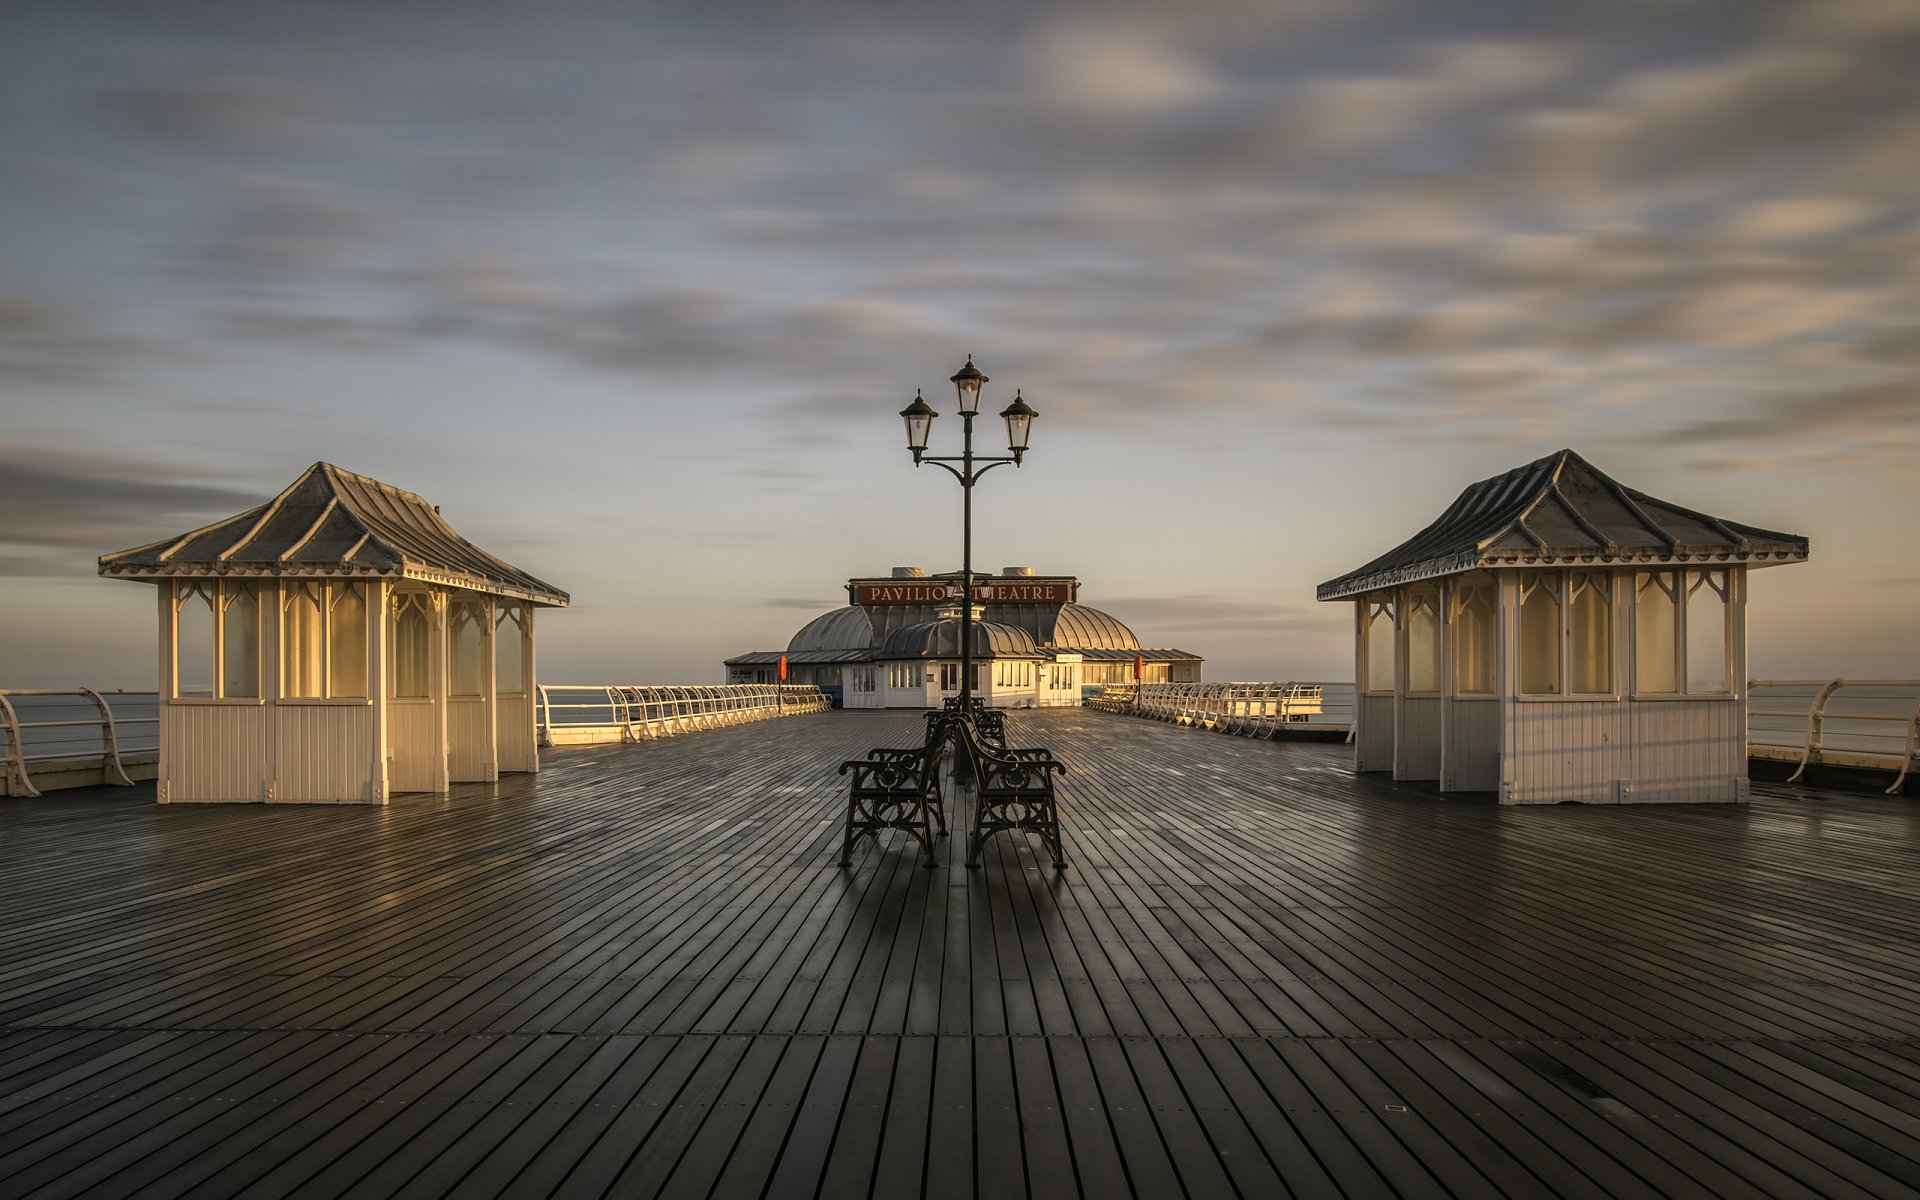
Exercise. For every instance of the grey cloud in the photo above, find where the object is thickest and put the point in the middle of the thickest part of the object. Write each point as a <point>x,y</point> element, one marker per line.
<point>47,343</point>
<point>1204,611</point>
<point>102,502</point>
<point>1872,411</point>
<point>282,227</point>
<point>230,111</point>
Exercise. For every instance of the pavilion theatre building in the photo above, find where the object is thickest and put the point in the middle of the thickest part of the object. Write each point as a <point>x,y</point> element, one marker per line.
<point>897,644</point>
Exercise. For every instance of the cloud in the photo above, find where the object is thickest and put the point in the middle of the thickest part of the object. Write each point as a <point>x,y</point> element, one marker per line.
<point>286,228</point>
<point>102,502</point>
<point>249,112</point>
<point>49,343</point>
<point>1102,68</point>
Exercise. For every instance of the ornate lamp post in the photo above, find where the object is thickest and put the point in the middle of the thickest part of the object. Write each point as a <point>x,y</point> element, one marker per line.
<point>919,415</point>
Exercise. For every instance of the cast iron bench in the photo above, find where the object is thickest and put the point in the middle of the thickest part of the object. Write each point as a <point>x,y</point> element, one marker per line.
<point>1015,791</point>
<point>896,788</point>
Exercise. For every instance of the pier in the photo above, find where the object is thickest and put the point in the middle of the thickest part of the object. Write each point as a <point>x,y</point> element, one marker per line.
<point>640,972</point>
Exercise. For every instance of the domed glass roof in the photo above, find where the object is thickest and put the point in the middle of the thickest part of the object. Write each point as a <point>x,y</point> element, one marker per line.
<point>1078,627</point>
<point>841,629</point>
<point>941,639</point>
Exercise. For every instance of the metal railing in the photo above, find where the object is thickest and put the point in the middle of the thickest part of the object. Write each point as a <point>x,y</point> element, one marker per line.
<point>1246,709</point>
<point>75,730</point>
<point>580,714</point>
<point>1873,723</point>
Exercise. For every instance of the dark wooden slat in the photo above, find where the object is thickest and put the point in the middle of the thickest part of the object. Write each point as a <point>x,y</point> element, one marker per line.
<point>641,970</point>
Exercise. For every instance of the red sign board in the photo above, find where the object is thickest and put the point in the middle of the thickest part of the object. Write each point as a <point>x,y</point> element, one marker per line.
<point>783,668</point>
<point>997,592</point>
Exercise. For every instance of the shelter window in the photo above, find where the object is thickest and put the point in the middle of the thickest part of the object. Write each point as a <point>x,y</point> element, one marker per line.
<point>1423,642</point>
<point>1472,642</point>
<point>1656,633</point>
<point>1590,632</point>
<point>949,677</point>
<point>409,655</point>
<point>1566,633</point>
<point>509,650</point>
<point>216,640</point>
<point>467,650</point>
<point>323,641</point>
<point>1680,619</point>
<point>1708,607</point>
<point>1539,633</point>
<point>1377,643</point>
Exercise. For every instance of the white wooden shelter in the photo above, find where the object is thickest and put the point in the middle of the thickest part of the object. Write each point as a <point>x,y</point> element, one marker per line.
<point>335,645</point>
<point>1555,636</point>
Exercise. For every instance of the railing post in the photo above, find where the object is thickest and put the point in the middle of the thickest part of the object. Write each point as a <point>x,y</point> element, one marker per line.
<point>546,715</point>
<point>111,770</point>
<point>1913,747</point>
<point>1816,715</point>
<point>16,753</point>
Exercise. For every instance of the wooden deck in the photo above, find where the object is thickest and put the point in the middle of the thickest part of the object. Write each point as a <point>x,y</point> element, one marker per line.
<point>640,973</point>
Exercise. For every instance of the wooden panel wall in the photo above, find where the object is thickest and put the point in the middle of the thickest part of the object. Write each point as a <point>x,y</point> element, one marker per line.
<point>419,762</point>
<point>1688,751</point>
<point>514,739</point>
<point>1473,746</point>
<point>321,753</point>
<point>1417,742</point>
<point>470,754</point>
<point>1559,750</point>
<point>216,752</point>
<point>1373,733</point>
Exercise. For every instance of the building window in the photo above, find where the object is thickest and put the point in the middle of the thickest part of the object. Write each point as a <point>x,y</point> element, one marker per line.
<point>510,649</point>
<point>1377,626</point>
<point>1681,618</point>
<point>1566,633</point>
<point>1423,642</point>
<point>1590,633</point>
<point>216,640</point>
<point>1656,633</point>
<point>410,652</point>
<point>323,641</point>
<point>949,677</point>
<point>1539,633</point>
<point>467,650</point>
<point>1473,637</point>
<point>863,679</point>
<point>1708,607</point>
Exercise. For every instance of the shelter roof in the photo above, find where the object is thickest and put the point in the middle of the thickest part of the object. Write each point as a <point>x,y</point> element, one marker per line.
<point>1562,510</point>
<point>334,523</point>
<point>941,639</point>
<point>1147,654</point>
<point>800,658</point>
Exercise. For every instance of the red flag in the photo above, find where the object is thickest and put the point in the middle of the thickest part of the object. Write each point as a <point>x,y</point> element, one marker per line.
<point>783,668</point>
<point>1139,667</point>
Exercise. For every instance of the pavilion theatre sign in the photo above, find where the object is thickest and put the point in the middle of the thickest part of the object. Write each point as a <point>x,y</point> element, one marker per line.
<point>995,592</point>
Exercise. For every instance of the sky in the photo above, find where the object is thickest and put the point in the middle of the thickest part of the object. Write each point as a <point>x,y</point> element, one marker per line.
<point>634,293</point>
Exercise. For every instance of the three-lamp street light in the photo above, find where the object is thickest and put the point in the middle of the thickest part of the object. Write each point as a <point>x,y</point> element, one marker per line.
<point>968,383</point>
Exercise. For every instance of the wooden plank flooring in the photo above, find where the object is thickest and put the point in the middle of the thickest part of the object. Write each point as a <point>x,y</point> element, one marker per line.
<point>639,973</point>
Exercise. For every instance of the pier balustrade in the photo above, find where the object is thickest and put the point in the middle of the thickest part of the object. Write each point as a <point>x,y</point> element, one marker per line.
<point>76,737</point>
<point>587,714</point>
<point>1871,723</point>
<point>1245,709</point>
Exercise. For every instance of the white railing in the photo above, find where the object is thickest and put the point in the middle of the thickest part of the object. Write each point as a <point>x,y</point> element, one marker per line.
<point>584,714</point>
<point>75,734</point>
<point>1873,723</point>
<point>1247,709</point>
